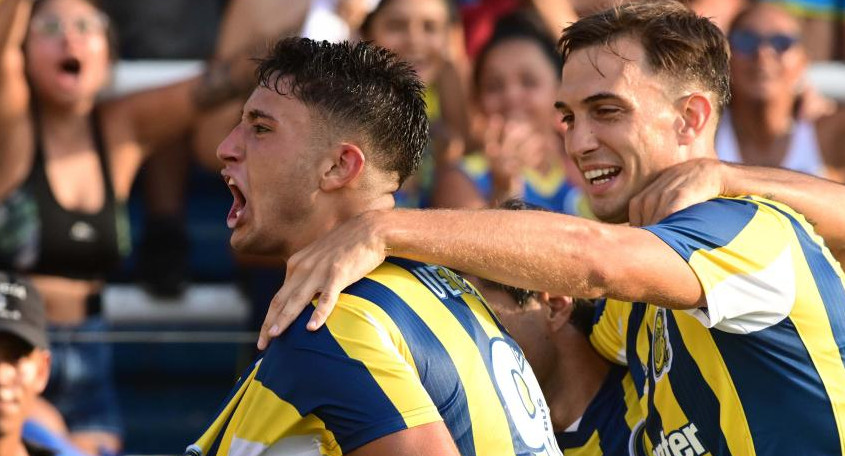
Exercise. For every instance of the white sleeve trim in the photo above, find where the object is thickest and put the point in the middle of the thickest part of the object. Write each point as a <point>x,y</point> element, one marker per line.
<point>746,303</point>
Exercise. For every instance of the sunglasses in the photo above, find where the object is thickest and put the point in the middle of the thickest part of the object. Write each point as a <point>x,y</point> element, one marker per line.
<point>51,26</point>
<point>748,43</point>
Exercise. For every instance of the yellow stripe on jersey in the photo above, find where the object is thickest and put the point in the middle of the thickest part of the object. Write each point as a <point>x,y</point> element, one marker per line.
<point>397,352</point>
<point>266,420</point>
<point>397,377</point>
<point>812,324</point>
<point>610,331</point>
<point>758,371</point>
<point>490,425</point>
<point>633,413</point>
<point>208,438</point>
<point>718,377</point>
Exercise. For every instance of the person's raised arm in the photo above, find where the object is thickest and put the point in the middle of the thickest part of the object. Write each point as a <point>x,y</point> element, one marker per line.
<point>532,250</point>
<point>431,439</point>
<point>821,201</point>
<point>15,126</point>
<point>159,115</point>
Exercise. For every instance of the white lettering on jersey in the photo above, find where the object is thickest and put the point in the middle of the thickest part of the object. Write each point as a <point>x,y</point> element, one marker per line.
<point>443,282</point>
<point>682,442</point>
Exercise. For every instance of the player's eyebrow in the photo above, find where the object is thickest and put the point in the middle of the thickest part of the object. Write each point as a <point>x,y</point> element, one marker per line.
<point>601,96</point>
<point>254,114</point>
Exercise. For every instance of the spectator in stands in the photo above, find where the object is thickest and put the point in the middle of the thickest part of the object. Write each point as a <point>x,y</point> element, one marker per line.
<point>822,25</point>
<point>67,163</point>
<point>721,12</point>
<point>418,32</point>
<point>516,73</point>
<point>165,29</point>
<point>762,125</point>
<point>24,371</point>
<point>24,363</point>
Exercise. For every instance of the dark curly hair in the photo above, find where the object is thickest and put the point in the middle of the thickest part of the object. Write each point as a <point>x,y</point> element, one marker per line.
<point>355,87</point>
<point>677,42</point>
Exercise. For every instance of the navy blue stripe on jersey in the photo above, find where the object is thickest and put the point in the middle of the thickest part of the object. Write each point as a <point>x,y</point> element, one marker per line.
<point>635,365</point>
<point>827,282</point>
<point>682,230</point>
<point>605,414</point>
<point>751,358</point>
<point>693,393</point>
<point>335,388</point>
<point>436,368</point>
<point>614,432</point>
<point>601,304</point>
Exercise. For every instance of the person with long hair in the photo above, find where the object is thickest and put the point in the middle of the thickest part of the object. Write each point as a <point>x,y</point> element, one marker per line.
<point>67,162</point>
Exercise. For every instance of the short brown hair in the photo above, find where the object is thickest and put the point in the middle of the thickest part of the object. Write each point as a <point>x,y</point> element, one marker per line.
<point>677,42</point>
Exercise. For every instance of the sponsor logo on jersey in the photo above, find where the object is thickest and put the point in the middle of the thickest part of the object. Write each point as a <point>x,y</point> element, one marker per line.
<point>682,442</point>
<point>661,349</point>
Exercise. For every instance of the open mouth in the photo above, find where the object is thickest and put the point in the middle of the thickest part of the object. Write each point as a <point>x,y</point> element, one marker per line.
<point>601,175</point>
<point>238,204</point>
<point>71,66</point>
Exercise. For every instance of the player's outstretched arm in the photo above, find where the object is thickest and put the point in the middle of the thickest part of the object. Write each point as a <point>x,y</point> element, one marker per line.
<point>683,185</point>
<point>528,249</point>
<point>431,439</point>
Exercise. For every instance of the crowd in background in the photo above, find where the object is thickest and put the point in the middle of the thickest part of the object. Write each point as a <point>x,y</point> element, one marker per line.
<point>70,159</point>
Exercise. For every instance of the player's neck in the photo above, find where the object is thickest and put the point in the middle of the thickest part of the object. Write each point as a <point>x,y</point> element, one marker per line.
<point>329,216</point>
<point>578,376</point>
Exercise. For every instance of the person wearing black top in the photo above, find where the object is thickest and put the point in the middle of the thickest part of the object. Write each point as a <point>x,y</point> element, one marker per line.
<point>67,163</point>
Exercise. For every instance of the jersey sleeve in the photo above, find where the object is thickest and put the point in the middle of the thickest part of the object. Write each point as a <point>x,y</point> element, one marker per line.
<point>742,251</point>
<point>609,330</point>
<point>351,374</point>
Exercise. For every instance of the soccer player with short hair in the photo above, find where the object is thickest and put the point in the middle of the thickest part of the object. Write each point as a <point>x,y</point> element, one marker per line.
<point>729,314</point>
<point>412,362</point>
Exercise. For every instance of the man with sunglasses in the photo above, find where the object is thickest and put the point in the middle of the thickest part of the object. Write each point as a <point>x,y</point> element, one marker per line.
<point>769,121</point>
<point>728,314</point>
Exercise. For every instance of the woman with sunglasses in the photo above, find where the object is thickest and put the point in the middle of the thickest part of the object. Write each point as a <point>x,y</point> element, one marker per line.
<point>763,125</point>
<point>67,162</point>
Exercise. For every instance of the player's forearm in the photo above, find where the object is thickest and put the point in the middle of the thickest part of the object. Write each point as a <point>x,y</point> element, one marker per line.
<point>528,249</point>
<point>821,201</point>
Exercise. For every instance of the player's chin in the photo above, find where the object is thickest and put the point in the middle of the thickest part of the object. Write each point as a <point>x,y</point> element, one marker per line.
<point>610,210</point>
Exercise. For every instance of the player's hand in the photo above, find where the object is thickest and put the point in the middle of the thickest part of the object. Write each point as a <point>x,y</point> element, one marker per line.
<point>677,188</point>
<point>327,266</point>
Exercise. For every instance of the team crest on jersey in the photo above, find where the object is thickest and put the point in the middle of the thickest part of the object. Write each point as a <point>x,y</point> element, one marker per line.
<point>661,349</point>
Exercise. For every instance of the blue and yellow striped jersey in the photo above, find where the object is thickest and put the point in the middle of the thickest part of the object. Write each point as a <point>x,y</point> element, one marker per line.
<point>760,370</point>
<point>551,191</point>
<point>409,344</point>
<point>607,424</point>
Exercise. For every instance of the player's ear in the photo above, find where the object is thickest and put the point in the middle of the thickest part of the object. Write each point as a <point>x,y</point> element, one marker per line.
<point>345,167</point>
<point>695,113</point>
<point>560,310</point>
